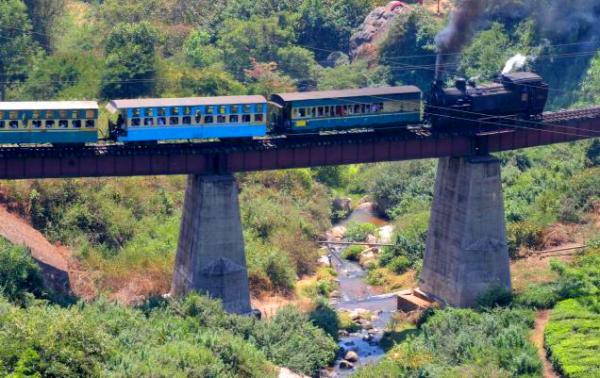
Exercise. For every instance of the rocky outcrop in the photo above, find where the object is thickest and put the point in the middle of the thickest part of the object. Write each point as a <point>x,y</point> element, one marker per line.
<point>363,43</point>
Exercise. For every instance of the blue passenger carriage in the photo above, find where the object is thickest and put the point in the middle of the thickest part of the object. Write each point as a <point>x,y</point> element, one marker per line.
<point>345,109</point>
<point>189,118</point>
<point>57,122</point>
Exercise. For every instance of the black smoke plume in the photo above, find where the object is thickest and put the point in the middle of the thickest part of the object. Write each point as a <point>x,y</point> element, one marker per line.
<point>458,32</point>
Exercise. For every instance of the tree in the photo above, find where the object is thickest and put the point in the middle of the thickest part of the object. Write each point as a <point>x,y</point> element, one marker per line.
<point>412,35</point>
<point>257,38</point>
<point>16,46</point>
<point>130,61</point>
<point>199,51</point>
<point>44,14</point>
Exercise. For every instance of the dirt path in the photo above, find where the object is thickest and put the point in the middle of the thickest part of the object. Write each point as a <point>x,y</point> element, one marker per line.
<point>61,270</point>
<point>537,337</point>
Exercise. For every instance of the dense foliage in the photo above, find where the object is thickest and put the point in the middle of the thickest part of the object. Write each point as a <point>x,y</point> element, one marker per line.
<point>459,343</point>
<point>191,337</point>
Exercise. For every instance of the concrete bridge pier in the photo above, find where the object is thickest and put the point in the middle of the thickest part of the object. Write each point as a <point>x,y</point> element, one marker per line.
<point>210,254</point>
<point>466,251</point>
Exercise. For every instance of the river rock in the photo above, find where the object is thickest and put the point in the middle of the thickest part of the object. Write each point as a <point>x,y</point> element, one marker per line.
<point>324,261</point>
<point>342,204</point>
<point>351,356</point>
<point>287,373</point>
<point>347,365</point>
<point>337,233</point>
<point>359,313</point>
<point>371,239</point>
<point>385,234</point>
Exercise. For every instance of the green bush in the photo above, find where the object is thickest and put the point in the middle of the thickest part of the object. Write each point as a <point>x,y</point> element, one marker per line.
<point>399,264</point>
<point>20,276</point>
<point>352,252</point>
<point>324,317</point>
<point>538,296</point>
<point>358,232</point>
<point>462,342</point>
<point>496,296</point>
<point>523,234</point>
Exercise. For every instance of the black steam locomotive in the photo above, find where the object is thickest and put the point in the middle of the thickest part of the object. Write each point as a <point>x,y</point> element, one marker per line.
<point>519,95</point>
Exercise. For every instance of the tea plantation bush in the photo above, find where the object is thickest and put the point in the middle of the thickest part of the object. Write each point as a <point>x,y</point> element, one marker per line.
<point>573,333</point>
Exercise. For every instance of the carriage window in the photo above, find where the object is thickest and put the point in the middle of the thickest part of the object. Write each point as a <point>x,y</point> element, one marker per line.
<point>149,112</point>
<point>162,112</point>
<point>1,115</point>
<point>210,110</point>
<point>49,124</point>
<point>162,121</point>
<point>221,119</point>
<point>326,111</point>
<point>135,112</point>
<point>320,111</point>
<point>90,114</point>
<point>235,109</point>
<point>246,118</point>
<point>198,117</point>
<point>173,120</point>
<point>13,115</point>
<point>247,108</point>
<point>35,114</point>
<point>74,114</point>
<point>175,111</point>
<point>76,124</point>
<point>13,124</point>
<point>187,120</point>
<point>208,119</point>
<point>258,117</point>
<point>135,122</point>
<point>36,124</point>
<point>63,124</point>
<point>302,112</point>
<point>234,118</point>
<point>148,121</point>
<point>90,123</point>
<point>222,109</point>
<point>338,110</point>
<point>2,125</point>
<point>357,109</point>
<point>187,110</point>
<point>62,114</point>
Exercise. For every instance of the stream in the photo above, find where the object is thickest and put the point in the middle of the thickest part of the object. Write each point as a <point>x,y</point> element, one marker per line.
<point>356,294</point>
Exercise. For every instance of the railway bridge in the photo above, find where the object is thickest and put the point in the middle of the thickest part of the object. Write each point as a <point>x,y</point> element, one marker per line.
<point>466,250</point>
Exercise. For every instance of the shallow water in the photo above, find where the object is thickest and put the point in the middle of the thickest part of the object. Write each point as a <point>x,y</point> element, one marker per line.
<point>355,294</point>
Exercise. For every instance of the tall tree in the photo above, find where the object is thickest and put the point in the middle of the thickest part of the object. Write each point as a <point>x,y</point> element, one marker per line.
<point>130,61</point>
<point>16,46</point>
<point>44,14</point>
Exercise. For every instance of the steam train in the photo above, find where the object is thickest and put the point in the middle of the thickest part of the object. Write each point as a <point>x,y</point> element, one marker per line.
<point>521,95</point>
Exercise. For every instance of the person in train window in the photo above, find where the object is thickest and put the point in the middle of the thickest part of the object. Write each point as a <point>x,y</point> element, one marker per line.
<point>162,121</point>
<point>63,124</point>
<point>90,123</point>
<point>76,124</point>
<point>148,121</point>
<point>37,124</point>
<point>221,119</point>
<point>49,124</point>
<point>2,125</point>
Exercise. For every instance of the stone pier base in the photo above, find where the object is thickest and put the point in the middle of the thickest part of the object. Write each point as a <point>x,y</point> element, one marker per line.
<point>466,252</point>
<point>210,255</point>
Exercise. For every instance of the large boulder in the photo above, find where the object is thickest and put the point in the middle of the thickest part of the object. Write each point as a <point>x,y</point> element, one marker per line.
<point>351,356</point>
<point>363,43</point>
<point>342,205</point>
